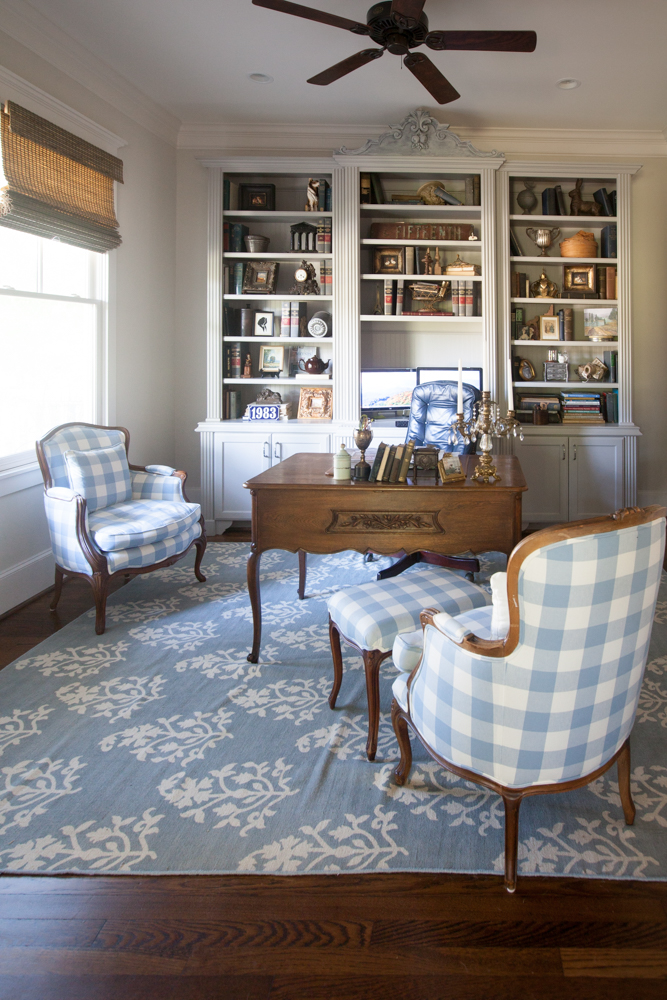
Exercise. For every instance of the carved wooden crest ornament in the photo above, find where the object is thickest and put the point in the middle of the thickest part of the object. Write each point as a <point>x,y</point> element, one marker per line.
<point>419,132</point>
<point>372,520</point>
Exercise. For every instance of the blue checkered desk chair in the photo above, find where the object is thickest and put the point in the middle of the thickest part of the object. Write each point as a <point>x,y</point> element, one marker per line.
<point>369,617</point>
<point>539,696</point>
<point>108,518</point>
<point>432,410</point>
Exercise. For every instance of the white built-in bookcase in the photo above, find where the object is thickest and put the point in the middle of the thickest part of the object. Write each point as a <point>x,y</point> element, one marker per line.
<point>418,150</point>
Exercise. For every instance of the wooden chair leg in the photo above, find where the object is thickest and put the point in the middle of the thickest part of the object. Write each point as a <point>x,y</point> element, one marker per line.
<point>100,585</point>
<point>512,806</point>
<point>402,769</point>
<point>302,575</point>
<point>623,765</point>
<point>337,657</point>
<point>372,660</point>
<point>58,589</point>
<point>200,545</point>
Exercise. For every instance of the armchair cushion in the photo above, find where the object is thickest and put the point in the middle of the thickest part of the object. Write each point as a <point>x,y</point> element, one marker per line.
<point>500,621</point>
<point>101,475</point>
<point>148,555</point>
<point>372,615</point>
<point>140,522</point>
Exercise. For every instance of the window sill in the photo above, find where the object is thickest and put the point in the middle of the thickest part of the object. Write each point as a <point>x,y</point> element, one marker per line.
<point>21,477</point>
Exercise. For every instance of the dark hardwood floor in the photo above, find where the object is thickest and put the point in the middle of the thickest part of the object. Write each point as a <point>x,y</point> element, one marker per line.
<point>346,937</point>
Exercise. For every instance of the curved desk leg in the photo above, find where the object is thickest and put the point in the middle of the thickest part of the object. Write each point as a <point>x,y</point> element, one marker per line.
<point>302,574</point>
<point>255,603</point>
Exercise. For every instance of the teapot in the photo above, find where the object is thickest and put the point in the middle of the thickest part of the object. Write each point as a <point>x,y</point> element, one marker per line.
<point>314,365</point>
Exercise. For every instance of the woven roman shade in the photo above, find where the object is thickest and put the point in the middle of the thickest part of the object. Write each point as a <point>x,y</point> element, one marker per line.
<point>58,186</point>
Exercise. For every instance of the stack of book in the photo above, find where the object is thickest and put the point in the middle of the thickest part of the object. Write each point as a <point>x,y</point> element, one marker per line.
<point>582,407</point>
<point>608,242</point>
<point>323,236</point>
<point>527,402</point>
<point>323,195</point>
<point>391,463</point>
<point>233,237</point>
<point>605,279</point>
<point>231,405</point>
<point>520,285</point>
<point>610,406</point>
<point>294,321</point>
<point>610,358</point>
<point>463,297</point>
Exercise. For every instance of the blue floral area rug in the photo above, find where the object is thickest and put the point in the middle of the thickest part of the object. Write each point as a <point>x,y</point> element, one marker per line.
<point>158,749</point>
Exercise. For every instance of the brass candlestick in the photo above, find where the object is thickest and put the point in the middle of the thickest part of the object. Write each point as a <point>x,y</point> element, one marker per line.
<point>484,424</point>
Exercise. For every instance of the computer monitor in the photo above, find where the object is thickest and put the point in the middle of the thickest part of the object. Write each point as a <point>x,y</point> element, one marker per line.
<point>387,388</point>
<point>471,376</point>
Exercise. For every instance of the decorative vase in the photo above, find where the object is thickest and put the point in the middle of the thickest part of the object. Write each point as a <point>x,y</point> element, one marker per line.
<point>342,465</point>
<point>362,439</point>
<point>527,199</point>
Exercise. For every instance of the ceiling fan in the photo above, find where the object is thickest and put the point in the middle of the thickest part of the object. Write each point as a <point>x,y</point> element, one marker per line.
<point>398,27</point>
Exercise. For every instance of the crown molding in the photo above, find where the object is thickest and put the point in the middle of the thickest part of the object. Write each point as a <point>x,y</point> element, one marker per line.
<point>15,88</point>
<point>29,27</point>
<point>240,138</point>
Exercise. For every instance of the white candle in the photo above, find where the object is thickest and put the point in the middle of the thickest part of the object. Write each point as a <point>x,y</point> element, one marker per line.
<point>459,402</point>
<point>510,395</point>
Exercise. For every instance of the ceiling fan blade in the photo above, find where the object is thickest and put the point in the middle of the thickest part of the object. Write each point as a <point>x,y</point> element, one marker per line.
<point>408,8</point>
<point>298,10</point>
<point>346,66</point>
<point>483,41</point>
<point>430,77</point>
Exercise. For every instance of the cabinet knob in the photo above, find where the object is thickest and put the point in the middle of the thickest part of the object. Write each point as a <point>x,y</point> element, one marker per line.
<point>266,451</point>
<point>563,447</point>
<point>278,451</point>
<point>574,453</point>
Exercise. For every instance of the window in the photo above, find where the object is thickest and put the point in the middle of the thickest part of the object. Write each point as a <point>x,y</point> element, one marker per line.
<point>53,317</point>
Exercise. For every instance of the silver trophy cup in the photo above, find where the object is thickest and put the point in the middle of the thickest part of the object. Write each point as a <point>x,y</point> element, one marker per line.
<point>543,238</point>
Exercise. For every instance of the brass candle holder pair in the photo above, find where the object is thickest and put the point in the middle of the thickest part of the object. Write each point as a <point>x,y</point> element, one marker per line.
<point>485,424</point>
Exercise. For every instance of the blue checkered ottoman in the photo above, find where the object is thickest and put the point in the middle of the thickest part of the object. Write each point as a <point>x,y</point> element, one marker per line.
<point>370,617</point>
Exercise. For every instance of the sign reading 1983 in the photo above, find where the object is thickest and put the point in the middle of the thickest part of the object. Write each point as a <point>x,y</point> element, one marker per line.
<point>263,411</point>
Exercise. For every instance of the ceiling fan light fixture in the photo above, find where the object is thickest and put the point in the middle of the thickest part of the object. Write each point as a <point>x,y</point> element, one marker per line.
<point>260,77</point>
<point>569,83</point>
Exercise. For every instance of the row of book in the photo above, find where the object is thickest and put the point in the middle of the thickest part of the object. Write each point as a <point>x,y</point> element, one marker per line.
<point>371,192</point>
<point>608,243</point>
<point>553,201</point>
<point>233,278</point>
<point>422,231</point>
<point>570,407</point>
<point>307,237</point>
<point>392,463</point>
<point>464,299</point>
<point>241,322</point>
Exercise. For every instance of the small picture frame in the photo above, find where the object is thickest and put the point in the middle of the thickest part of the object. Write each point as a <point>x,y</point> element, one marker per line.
<point>257,197</point>
<point>315,404</point>
<point>549,328</point>
<point>389,260</point>
<point>260,277</point>
<point>271,359</point>
<point>579,278</point>
<point>264,324</point>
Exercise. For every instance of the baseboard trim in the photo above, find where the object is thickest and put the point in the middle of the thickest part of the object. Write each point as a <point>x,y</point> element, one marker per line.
<point>25,580</point>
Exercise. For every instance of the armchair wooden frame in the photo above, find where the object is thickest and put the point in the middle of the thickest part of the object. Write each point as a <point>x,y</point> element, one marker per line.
<point>512,797</point>
<point>100,577</point>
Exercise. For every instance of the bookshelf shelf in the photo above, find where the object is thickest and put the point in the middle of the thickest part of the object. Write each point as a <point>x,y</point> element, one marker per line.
<point>444,212</point>
<point>421,277</point>
<point>255,297</point>
<point>571,386</point>
<point>259,216</point>
<point>593,345</point>
<point>294,255</point>
<point>454,244</point>
<point>278,381</point>
<point>575,221</point>
<point>564,260</point>
<point>277,340</point>
<point>420,319</point>
<point>586,303</point>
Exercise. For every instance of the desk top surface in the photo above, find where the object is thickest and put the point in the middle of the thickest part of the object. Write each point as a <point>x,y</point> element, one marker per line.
<point>308,469</point>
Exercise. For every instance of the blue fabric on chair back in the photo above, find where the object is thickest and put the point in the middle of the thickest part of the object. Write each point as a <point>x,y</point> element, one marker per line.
<point>431,413</point>
<point>77,437</point>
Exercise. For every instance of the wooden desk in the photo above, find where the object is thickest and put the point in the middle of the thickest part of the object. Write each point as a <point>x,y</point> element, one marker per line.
<point>295,506</point>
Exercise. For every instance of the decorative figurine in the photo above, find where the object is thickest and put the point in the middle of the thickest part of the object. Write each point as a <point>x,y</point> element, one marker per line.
<point>543,238</point>
<point>306,282</point>
<point>580,207</point>
<point>427,261</point>
<point>543,288</point>
<point>247,367</point>
<point>527,200</point>
<point>377,311</point>
<point>595,371</point>
<point>312,195</point>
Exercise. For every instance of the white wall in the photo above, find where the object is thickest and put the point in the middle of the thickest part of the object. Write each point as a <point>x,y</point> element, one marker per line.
<point>141,312</point>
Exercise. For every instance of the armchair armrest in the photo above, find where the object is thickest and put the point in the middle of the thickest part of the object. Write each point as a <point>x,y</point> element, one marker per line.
<point>160,470</point>
<point>166,484</point>
<point>462,636</point>
<point>67,517</point>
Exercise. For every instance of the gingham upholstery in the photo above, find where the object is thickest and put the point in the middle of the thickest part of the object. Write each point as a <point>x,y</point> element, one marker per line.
<point>77,438</point>
<point>408,646</point>
<point>140,522</point>
<point>156,486</point>
<point>61,506</point>
<point>372,615</point>
<point>100,475</point>
<point>147,555</point>
<point>564,701</point>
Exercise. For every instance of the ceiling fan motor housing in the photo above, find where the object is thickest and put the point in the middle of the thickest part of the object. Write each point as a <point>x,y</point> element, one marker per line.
<point>396,33</point>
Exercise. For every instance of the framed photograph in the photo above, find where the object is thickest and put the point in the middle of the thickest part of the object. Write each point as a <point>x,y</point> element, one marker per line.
<point>315,404</point>
<point>260,277</point>
<point>271,359</point>
<point>264,324</point>
<point>549,328</point>
<point>258,197</point>
<point>389,260</point>
<point>579,278</point>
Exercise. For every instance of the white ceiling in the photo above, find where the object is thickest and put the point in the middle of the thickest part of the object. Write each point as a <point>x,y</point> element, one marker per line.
<point>193,57</point>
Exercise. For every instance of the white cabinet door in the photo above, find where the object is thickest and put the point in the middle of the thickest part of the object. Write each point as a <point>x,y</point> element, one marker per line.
<point>285,445</point>
<point>243,456</point>
<point>545,468</point>
<point>596,476</point>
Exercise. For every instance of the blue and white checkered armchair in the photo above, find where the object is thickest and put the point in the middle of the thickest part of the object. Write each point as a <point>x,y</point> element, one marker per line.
<point>107,517</point>
<point>539,695</point>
